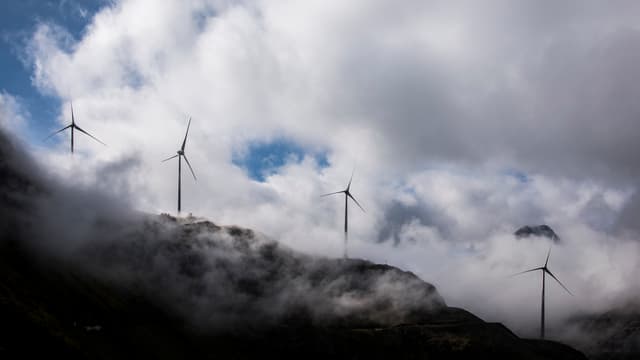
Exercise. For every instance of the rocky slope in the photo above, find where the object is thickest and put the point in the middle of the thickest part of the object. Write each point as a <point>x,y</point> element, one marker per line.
<point>51,307</point>
<point>612,335</point>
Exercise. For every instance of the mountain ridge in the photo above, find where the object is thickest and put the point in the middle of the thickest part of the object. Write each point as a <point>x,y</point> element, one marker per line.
<point>75,313</point>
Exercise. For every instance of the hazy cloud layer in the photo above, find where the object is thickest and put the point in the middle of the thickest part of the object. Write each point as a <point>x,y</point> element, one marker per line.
<point>216,278</point>
<point>434,103</point>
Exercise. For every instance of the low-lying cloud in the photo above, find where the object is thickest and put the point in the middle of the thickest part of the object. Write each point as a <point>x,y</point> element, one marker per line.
<point>217,278</point>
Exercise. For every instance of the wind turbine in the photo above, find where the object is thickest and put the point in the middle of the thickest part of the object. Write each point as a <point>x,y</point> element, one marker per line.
<point>180,154</point>
<point>74,126</point>
<point>545,270</point>
<point>347,195</point>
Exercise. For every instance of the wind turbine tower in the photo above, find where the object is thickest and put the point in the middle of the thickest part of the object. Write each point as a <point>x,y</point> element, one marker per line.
<point>347,195</point>
<point>545,270</point>
<point>181,154</point>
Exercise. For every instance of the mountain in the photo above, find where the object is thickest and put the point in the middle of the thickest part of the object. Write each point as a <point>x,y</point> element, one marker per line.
<point>84,277</point>
<point>611,335</point>
<point>50,307</point>
<point>537,230</point>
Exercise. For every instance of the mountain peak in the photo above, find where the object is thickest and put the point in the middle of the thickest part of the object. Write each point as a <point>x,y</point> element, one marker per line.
<point>537,230</point>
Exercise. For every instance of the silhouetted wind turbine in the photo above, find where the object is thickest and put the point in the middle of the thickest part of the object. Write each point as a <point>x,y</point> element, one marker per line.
<point>545,270</point>
<point>73,126</point>
<point>347,195</point>
<point>180,154</point>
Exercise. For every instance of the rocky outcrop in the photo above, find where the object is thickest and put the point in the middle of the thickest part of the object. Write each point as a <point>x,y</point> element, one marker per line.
<point>537,230</point>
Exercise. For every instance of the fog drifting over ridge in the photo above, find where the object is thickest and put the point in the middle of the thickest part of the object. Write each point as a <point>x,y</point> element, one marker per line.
<point>213,279</point>
<point>435,104</point>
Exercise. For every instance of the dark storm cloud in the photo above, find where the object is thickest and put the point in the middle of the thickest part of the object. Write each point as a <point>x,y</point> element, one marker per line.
<point>398,215</point>
<point>114,178</point>
<point>548,88</point>
<point>628,219</point>
<point>552,87</point>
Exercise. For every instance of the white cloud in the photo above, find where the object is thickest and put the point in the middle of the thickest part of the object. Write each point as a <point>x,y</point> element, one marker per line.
<point>430,101</point>
<point>12,114</point>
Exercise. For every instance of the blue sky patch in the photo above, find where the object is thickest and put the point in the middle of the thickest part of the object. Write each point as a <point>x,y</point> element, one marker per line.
<point>262,159</point>
<point>18,21</point>
<point>518,175</point>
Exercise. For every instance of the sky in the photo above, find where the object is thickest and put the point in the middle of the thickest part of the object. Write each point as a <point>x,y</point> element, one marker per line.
<point>461,122</point>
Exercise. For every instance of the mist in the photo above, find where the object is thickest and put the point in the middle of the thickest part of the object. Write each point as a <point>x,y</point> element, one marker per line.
<point>216,278</point>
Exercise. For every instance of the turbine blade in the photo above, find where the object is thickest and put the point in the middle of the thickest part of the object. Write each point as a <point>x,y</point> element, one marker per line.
<point>547,261</point>
<point>349,185</point>
<point>184,142</point>
<point>169,158</point>
<point>526,271</point>
<point>356,201</point>
<point>556,279</point>
<point>333,193</point>
<point>73,121</point>
<point>190,168</point>
<point>93,137</point>
<point>61,130</point>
